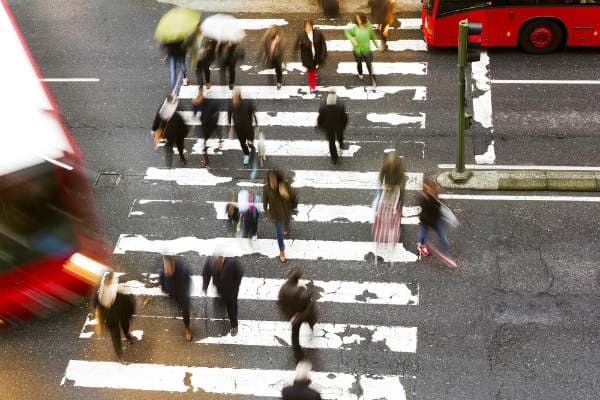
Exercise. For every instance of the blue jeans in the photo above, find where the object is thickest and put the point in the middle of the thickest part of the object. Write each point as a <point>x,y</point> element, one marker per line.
<point>173,61</point>
<point>441,232</point>
<point>279,232</point>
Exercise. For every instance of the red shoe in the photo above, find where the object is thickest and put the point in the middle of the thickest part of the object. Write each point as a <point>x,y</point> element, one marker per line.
<point>423,250</point>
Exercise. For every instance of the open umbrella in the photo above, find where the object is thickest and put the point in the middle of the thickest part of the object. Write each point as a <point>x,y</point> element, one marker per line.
<point>177,24</point>
<point>224,28</point>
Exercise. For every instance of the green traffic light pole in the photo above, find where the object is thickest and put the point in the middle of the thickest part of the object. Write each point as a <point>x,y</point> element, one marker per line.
<point>459,174</point>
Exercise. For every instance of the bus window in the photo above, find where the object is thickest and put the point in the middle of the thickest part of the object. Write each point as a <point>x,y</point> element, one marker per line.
<point>451,6</point>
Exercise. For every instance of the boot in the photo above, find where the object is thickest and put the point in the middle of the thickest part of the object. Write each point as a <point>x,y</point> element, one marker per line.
<point>282,257</point>
<point>204,162</point>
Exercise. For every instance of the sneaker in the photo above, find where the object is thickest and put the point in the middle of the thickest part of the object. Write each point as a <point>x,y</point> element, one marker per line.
<point>184,82</point>
<point>360,77</point>
<point>246,160</point>
<point>278,86</point>
<point>233,331</point>
<point>423,250</point>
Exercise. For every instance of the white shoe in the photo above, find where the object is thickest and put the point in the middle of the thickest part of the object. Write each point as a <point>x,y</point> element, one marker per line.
<point>184,81</point>
<point>360,77</point>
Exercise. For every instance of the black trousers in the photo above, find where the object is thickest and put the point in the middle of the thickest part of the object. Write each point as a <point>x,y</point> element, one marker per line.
<point>184,307</point>
<point>114,328</point>
<point>276,63</point>
<point>169,151</point>
<point>367,58</point>
<point>231,302</point>
<point>230,69</point>
<point>246,137</point>
<point>203,68</point>
<point>332,136</point>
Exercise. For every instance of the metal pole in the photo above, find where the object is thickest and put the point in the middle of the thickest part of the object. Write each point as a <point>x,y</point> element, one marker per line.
<point>459,174</point>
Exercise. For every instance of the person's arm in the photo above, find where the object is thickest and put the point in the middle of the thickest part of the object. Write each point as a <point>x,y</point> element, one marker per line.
<point>351,35</point>
<point>265,199</point>
<point>253,110</point>
<point>155,123</point>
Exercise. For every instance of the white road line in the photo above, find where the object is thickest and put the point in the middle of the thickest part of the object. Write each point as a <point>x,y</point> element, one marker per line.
<point>393,45</point>
<point>89,329</point>
<point>259,23</point>
<point>546,82</point>
<point>405,24</point>
<point>266,289</point>
<point>227,381</point>
<point>386,68</point>
<point>324,179</point>
<point>70,80</point>
<point>398,119</point>
<point>499,197</point>
<point>525,167</point>
<point>489,157</point>
<point>482,94</point>
<point>410,23</point>
<point>397,339</point>
<point>294,148</point>
<point>271,92</point>
<point>294,248</point>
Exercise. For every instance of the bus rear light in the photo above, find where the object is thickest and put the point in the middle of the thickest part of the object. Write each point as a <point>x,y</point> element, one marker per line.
<point>595,33</point>
<point>508,34</point>
<point>85,268</point>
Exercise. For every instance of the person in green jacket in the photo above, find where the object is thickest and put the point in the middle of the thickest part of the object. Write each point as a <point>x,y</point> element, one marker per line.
<point>361,35</point>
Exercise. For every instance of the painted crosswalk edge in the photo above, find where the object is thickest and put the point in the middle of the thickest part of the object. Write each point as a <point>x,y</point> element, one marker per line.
<point>227,381</point>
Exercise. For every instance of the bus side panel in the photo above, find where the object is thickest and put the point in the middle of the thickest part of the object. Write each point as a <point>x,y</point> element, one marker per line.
<point>445,30</point>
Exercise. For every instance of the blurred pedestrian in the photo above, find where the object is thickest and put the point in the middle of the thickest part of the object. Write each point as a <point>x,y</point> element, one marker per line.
<point>243,215</point>
<point>333,119</point>
<point>279,203</point>
<point>389,200</point>
<point>271,52</point>
<point>313,51</point>
<point>297,305</point>
<point>242,112</point>
<point>176,52</point>
<point>226,274</point>
<point>202,55</point>
<point>229,54</point>
<point>431,217</point>
<point>300,389</point>
<point>361,35</point>
<point>175,281</point>
<point>174,129</point>
<point>382,14</point>
<point>209,120</point>
<point>114,310</point>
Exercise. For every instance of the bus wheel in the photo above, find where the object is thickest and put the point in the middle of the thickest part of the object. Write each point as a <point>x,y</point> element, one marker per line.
<point>541,36</point>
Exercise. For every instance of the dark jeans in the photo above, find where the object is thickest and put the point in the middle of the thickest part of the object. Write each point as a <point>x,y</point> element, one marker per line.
<point>367,58</point>
<point>246,137</point>
<point>230,69</point>
<point>332,137</point>
<point>169,151</point>
<point>173,63</point>
<point>203,67</point>
<point>115,334</point>
<point>232,307</point>
<point>184,307</point>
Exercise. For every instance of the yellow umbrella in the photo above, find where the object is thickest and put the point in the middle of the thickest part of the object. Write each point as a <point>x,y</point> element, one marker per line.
<point>176,25</point>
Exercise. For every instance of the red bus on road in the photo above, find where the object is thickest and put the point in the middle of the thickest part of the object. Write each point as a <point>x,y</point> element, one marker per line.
<point>51,250</point>
<point>537,26</point>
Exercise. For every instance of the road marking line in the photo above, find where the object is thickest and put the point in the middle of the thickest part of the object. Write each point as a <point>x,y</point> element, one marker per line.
<point>259,23</point>
<point>575,199</point>
<point>291,148</point>
<point>70,80</point>
<point>386,68</point>
<point>227,381</point>
<point>405,24</point>
<point>545,82</point>
<point>393,45</point>
<point>482,94</point>
<point>397,339</point>
<point>524,167</point>
<point>294,249</point>
<point>398,119</point>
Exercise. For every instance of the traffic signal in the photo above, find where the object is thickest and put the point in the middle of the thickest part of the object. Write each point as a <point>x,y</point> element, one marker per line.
<point>473,41</point>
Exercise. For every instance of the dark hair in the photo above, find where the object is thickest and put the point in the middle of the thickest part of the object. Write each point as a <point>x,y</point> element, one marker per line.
<point>294,274</point>
<point>362,18</point>
<point>276,173</point>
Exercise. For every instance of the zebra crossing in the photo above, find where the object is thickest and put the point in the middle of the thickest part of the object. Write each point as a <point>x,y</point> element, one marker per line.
<point>256,362</point>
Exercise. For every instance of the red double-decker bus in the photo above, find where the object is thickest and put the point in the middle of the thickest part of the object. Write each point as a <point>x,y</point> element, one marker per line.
<point>537,26</point>
<point>51,249</point>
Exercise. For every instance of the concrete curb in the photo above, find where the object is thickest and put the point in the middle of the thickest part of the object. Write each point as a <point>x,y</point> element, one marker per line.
<point>572,181</point>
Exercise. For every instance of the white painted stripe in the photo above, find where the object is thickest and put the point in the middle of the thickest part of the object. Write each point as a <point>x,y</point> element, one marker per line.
<point>70,80</point>
<point>227,381</point>
<point>259,23</point>
<point>295,148</point>
<point>287,67</point>
<point>332,213</point>
<point>294,248</point>
<point>397,339</point>
<point>546,82</point>
<point>482,94</point>
<point>393,45</point>
<point>325,179</point>
<point>271,92</point>
<point>410,23</point>
<point>525,167</point>
<point>279,118</point>
<point>386,68</point>
<point>398,119</point>
<point>265,289</point>
<point>501,197</point>
<point>405,24</point>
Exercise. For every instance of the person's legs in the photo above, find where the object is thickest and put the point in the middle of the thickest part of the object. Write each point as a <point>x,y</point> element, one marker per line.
<point>368,60</point>
<point>173,71</point>
<point>359,60</point>
<point>243,144</point>
<point>115,336</point>
<point>422,233</point>
<point>441,232</point>
<point>199,76</point>
<point>340,137</point>
<point>180,146</point>
<point>231,68</point>
<point>279,233</point>
<point>231,304</point>
<point>298,353</point>
<point>311,75</point>
<point>169,153</point>
<point>278,69</point>
<point>183,66</point>
<point>332,148</point>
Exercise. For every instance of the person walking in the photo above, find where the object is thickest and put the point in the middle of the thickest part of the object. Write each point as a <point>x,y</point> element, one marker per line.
<point>333,119</point>
<point>176,53</point>
<point>242,112</point>
<point>226,274</point>
<point>300,389</point>
<point>209,120</point>
<point>175,129</point>
<point>114,310</point>
<point>313,51</point>
<point>279,203</point>
<point>271,52</point>
<point>202,55</point>
<point>175,280</point>
<point>388,204</point>
<point>229,55</point>
<point>431,217</point>
<point>361,35</point>
<point>382,14</point>
<point>298,306</point>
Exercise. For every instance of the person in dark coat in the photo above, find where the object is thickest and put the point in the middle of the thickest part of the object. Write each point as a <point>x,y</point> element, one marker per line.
<point>229,55</point>
<point>209,119</point>
<point>175,280</point>
<point>175,128</point>
<point>430,216</point>
<point>313,51</point>
<point>203,54</point>
<point>279,203</point>
<point>333,119</point>
<point>242,112</point>
<point>300,389</point>
<point>176,52</point>
<point>271,52</point>
<point>382,14</point>
<point>297,305</point>
<point>226,274</point>
<point>114,310</point>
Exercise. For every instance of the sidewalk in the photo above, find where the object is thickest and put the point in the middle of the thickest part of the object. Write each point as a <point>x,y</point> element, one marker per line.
<point>284,7</point>
<point>540,180</point>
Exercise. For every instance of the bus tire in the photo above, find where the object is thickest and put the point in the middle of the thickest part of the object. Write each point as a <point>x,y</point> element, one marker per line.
<point>541,36</point>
